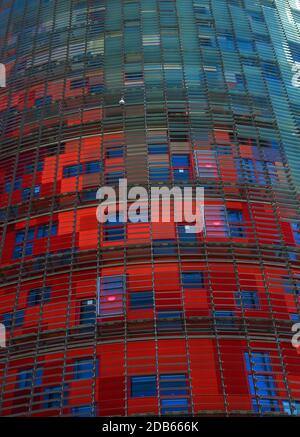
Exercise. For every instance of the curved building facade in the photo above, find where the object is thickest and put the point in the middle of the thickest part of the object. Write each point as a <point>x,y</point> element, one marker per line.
<point>146,318</point>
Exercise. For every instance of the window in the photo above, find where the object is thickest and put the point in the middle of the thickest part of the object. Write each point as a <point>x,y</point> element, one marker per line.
<point>19,244</point>
<point>26,378</point>
<point>215,223</point>
<point>45,230</point>
<point>52,396</point>
<point>110,292</point>
<point>87,312</point>
<point>206,41</point>
<point>83,411</point>
<point>84,369</point>
<point>261,382</point>
<point>92,167</point>
<point>89,167</point>
<point>78,83</point>
<point>235,221</point>
<point>225,320</point>
<point>157,149</point>
<point>20,235</point>
<point>114,228</point>
<point>247,299</point>
<point>252,171</point>
<point>291,408</point>
<point>89,195</point>
<point>245,45</point>
<point>184,235</point>
<point>181,165</point>
<point>192,280</point>
<point>295,318</point>
<point>173,393</point>
<point>43,101</point>
<point>291,286</point>
<point>159,174</point>
<point>180,160</point>
<point>169,321</point>
<point>29,168</point>
<point>179,405</point>
<point>143,386</point>
<point>115,153</point>
<point>296,232</point>
<point>141,300</point>
<point>72,170</point>
<point>16,186</point>
<point>8,319</point>
<point>226,42</point>
<point>26,193</point>
<point>206,164</point>
<point>181,174</point>
<point>38,295</point>
<point>113,177</point>
<point>164,247</point>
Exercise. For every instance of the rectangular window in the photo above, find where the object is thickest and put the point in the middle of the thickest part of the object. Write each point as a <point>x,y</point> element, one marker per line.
<point>92,167</point>
<point>29,168</point>
<point>45,230</point>
<point>113,177</point>
<point>157,149</point>
<point>291,286</point>
<point>89,195</point>
<point>247,299</point>
<point>43,101</point>
<point>26,193</point>
<point>291,408</point>
<point>251,171</point>
<point>159,174</point>
<point>84,369</point>
<point>184,235</point>
<point>215,221</point>
<point>192,280</point>
<point>225,320</point>
<point>181,174</point>
<point>246,46</point>
<point>8,187</point>
<point>114,153</point>
<point>38,295</point>
<point>236,223</point>
<point>114,228</point>
<point>180,160</point>
<point>174,393</point>
<point>83,411</point>
<point>226,42</point>
<point>164,247</point>
<point>181,165</point>
<point>141,300</point>
<point>110,292</point>
<point>72,170</point>
<point>87,312</point>
<point>20,235</point>
<point>206,164</point>
<point>26,378</point>
<point>52,397</point>
<point>175,405</point>
<point>261,382</point>
<point>169,321</point>
<point>296,232</point>
<point>295,317</point>
<point>143,386</point>
<point>78,83</point>
<point>8,319</point>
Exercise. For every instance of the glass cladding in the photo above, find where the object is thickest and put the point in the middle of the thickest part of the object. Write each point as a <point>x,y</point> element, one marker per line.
<point>99,316</point>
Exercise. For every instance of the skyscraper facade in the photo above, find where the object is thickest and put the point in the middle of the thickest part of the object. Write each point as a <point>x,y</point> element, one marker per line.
<point>147,318</point>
